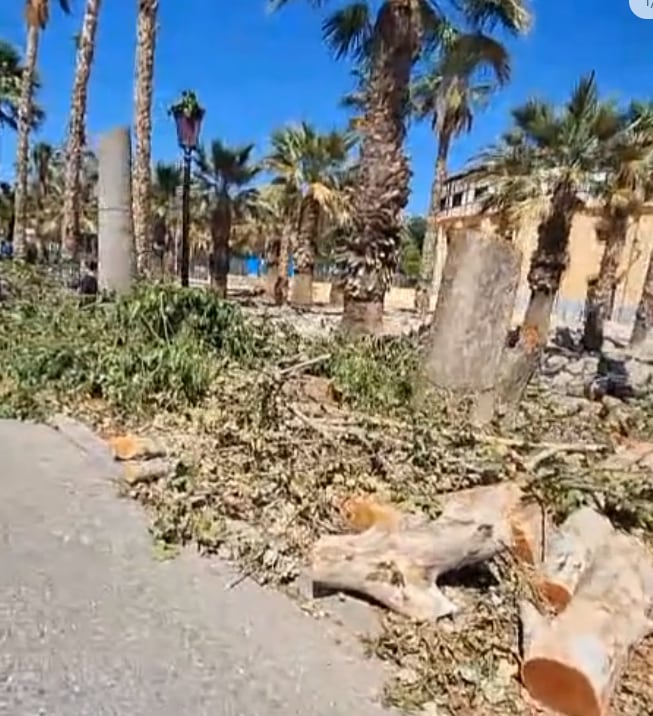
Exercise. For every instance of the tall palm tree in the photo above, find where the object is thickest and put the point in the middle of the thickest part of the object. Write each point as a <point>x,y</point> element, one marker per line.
<point>11,74</point>
<point>42,170</point>
<point>225,173</point>
<point>388,36</point>
<point>559,155</point>
<point>142,170</point>
<point>448,94</point>
<point>628,168</point>
<point>76,128</point>
<point>37,13</point>
<point>310,166</point>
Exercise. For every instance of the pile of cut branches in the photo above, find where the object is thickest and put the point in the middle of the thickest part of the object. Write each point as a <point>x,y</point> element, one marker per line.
<point>276,430</point>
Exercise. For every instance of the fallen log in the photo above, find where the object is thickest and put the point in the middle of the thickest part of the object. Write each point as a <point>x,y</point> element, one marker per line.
<point>399,568</point>
<point>136,472</point>
<point>571,664</point>
<point>495,504</point>
<point>569,554</point>
<point>131,447</point>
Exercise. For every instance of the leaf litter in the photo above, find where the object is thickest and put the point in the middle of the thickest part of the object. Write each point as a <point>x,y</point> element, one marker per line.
<point>275,428</point>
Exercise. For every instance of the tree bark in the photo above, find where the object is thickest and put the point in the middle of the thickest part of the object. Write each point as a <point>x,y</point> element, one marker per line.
<point>424,290</point>
<point>302,289</point>
<point>116,259</point>
<point>643,326</point>
<point>384,172</point>
<point>473,313</point>
<point>548,263</point>
<point>22,142</point>
<point>142,179</point>
<point>220,235</point>
<point>76,130</point>
<point>571,665</point>
<point>281,284</point>
<point>600,299</point>
<point>271,253</point>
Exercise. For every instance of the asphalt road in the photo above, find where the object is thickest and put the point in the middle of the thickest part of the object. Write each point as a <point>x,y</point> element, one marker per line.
<point>92,624</point>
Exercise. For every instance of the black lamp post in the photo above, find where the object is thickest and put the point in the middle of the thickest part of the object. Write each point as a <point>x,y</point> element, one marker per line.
<point>188,115</point>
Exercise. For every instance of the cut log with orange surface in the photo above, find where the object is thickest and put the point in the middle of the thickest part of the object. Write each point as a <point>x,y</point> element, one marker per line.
<point>571,664</point>
<point>502,503</point>
<point>569,553</point>
<point>131,447</point>
<point>398,568</point>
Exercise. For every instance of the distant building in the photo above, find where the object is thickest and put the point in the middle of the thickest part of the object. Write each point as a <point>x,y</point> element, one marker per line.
<point>462,206</point>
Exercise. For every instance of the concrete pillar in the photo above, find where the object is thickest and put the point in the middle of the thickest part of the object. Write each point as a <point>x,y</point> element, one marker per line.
<point>116,249</point>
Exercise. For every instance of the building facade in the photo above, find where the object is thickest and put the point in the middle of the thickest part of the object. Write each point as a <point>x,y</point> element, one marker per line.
<point>462,206</point>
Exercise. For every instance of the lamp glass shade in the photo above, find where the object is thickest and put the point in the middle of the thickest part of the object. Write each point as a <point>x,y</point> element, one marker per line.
<point>188,129</point>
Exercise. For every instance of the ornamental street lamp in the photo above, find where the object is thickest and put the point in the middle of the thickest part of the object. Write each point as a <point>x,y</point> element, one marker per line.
<point>188,114</point>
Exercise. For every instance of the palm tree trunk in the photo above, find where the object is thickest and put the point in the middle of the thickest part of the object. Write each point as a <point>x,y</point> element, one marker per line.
<point>142,180</point>
<point>281,285</point>
<point>22,142</point>
<point>424,290</point>
<point>76,129</point>
<point>643,326</point>
<point>309,223</point>
<point>219,261</point>
<point>547,266</point>
<point>384,172</point>
<point>600,298</point>
<point>271,253</point>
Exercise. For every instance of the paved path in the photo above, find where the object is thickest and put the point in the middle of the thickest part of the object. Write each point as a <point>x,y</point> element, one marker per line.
<point>92,624</point>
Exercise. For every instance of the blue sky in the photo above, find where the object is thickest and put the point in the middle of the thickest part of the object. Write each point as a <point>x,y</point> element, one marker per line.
<point>254,71</point>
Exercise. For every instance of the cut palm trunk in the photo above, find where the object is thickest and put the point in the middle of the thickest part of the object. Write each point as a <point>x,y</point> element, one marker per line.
<point>599,301</point>
<point>572,663</point>
<point>472,316</point>
<point>271,253</point>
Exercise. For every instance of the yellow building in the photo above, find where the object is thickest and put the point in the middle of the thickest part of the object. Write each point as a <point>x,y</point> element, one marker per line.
<point>462,206</point>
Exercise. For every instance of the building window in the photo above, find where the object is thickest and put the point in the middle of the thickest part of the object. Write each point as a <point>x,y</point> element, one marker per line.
<point>443,203</point>
<point>457,199</point>
<point>479,192</point>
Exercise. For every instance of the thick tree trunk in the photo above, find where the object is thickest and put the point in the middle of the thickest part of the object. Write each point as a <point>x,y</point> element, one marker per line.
<point>643,326</point>
<point>271,253</point>
<point>142,179</point>
<point>22,142</point>
<point>572,664</point>
<point>116,255</point>
<point>384,172</point>
<point>219,262</point>
<point>473,314</point>
<point>76,130</point>
<point>548,263</point>
<point>281,284</point>
<point>600,298</point>
<point>302,289</point>
<point>424,290</point>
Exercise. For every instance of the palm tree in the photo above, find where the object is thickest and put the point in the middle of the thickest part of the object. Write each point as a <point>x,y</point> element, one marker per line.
<point>42,161</point>
<point>142,171</point>
<point>167,182</point>
<point>76,128</point>
<point>449,94</point>
<point>310,166</point>
<point>559,154</point>
<point>225,174</point>
<point>388,37</point>
<point>276,213</point>
<point>37,13</point>
<point>629,169</point>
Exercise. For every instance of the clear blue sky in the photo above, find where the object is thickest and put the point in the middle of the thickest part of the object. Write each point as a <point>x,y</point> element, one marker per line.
<point>254,71</point>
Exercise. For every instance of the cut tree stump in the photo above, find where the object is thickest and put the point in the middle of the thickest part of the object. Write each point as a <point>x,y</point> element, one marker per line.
<point>569,554</point>
<point>572,663</point>
<point>131,447</point>
<point>136,472</point>
<point>472,316</point>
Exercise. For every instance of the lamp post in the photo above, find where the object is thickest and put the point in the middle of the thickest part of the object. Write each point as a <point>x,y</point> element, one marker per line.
<point>188,115</point>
